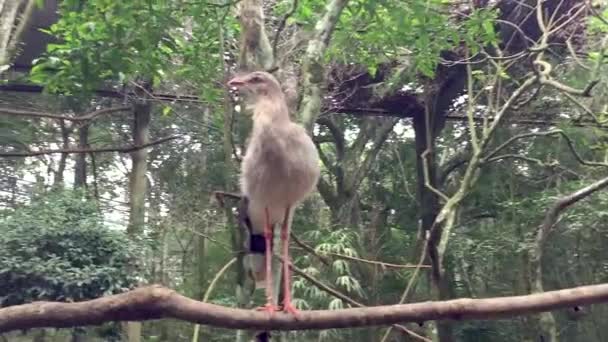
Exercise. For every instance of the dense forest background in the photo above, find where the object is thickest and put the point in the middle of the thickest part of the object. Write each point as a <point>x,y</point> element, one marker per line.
<point>452,138</point>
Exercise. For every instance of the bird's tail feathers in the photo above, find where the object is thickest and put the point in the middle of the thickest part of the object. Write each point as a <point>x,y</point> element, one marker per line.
<point>255,259</point>
<point>257,266</point>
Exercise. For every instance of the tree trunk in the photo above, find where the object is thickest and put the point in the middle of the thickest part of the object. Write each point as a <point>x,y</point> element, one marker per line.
<point>80,169</point>
<point>138,186</point>
<point>429,208</point>
<point>547,326</point>
<point>439,95</point>
<point>139,167</point>
<point>159,245</point>
<point>65,138</point>
<point>201,264</point>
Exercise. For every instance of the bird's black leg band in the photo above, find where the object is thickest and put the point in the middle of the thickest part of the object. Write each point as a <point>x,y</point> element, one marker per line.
<point>257,244</point>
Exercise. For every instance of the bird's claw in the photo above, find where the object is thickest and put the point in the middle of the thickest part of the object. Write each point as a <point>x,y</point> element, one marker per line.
<point>289,308</point>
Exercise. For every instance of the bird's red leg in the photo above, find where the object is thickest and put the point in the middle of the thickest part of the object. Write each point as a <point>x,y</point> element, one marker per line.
<point>270,307</point>
<point>287,306</point>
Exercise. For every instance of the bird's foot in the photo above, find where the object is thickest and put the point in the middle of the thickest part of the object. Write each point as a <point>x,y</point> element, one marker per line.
<point>270,308</point>
<point>289,308</point>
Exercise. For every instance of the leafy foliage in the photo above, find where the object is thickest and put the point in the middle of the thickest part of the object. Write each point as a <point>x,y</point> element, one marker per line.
<point>99,43</point>
<point>416,33</point>
<point>56,248</point>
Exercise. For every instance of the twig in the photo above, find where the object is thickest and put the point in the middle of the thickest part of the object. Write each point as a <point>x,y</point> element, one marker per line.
<point>217,242</point>
<point>309,249</point>
<point>410,283</point>
<point>379,263</point>
<point>575,57</point>
<point>208,293</point>
<point>325,260</point>
<point>321,285</point>
<point>427,183</point>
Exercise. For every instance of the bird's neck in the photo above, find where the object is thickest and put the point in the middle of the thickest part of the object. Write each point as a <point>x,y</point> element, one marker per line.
<point>270,110</point>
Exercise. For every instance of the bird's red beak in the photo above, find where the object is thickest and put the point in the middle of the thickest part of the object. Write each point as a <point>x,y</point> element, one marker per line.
<point>236,82</point>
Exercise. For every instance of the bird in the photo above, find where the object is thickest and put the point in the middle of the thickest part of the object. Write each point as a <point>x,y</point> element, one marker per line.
<point>279,170</point>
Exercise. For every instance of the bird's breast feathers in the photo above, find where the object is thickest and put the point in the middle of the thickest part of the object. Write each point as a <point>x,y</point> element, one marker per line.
<point>280,165</point>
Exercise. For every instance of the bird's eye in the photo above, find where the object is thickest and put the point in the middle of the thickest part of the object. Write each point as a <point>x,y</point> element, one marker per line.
<point>256,79</point>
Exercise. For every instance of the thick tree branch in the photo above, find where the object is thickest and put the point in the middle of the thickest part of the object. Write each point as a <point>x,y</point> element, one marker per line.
<point>337,134</point>
<point>327,192</point>
<point>381,133</point>
<point>452,165</point>
<point>547,320</point>
<point>120,149</point>
<point>155,302</point>
<point>313,71</point>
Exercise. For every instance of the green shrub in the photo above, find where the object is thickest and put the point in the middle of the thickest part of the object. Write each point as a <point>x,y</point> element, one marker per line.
<point>57,248</point>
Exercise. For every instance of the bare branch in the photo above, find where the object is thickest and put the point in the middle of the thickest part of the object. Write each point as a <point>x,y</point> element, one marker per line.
<point>566,201</point>
<point>210,288</point>
<point>155,302</point>
<point>120,149</point>
<point>489,157</point>
<point>412,281</point>
<point>517,156</point>
<point>89,116</point>
<point>324,259</point>
<point>320,285</point>
<point>309,249</point>
<point>427,183</point>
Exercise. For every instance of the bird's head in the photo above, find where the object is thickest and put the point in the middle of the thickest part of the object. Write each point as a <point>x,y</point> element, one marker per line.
<point>257,84</point>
